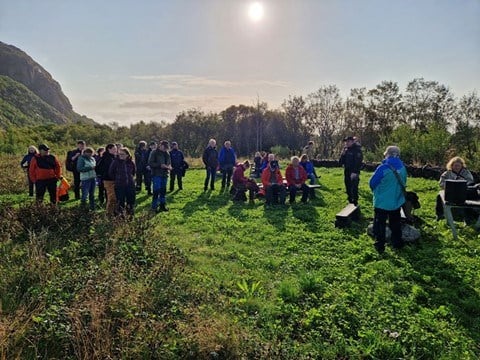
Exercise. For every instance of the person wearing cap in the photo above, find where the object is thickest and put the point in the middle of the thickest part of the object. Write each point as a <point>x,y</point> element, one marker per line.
<point>272,181</point>
<point>71,165</point>
<point>178,162</point>
<point>352,160</point>
<point>141,163</point>
<point>44,171</point>
<point>160,163</point>
<point>388,198</point>
<point>210,160</point>
<point>25,164</point>
<point>227,160</point>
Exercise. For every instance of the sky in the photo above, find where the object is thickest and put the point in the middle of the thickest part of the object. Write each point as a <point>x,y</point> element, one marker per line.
<point>125,61</point>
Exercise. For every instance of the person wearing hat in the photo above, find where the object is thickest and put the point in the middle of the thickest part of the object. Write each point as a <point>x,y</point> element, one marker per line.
<point>388,198</point>
<point>178,161</point>
<point>160,163</point>
<point>352,160</point>
<point>44,171</point>
<point>272,181</point>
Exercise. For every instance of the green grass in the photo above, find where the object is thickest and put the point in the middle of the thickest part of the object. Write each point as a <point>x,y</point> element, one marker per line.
<point>216,278</point>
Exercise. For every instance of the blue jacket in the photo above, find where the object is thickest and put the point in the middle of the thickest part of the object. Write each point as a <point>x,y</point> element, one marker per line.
<point>308,166</point>
<point>387,193</point>
<point>227,157</point>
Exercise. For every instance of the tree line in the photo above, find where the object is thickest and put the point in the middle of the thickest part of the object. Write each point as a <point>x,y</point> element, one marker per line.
<point>426,120</point>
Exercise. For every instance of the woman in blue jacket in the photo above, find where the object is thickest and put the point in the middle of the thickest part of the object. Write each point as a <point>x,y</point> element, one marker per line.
<point>388,198</point>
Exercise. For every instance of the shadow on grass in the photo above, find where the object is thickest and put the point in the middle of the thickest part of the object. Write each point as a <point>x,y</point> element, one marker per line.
<point>209,198</point>
<point>443,286</point>
<point>275,215</point>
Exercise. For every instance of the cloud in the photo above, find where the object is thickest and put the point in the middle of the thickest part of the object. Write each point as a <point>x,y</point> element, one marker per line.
<point>188,81</point>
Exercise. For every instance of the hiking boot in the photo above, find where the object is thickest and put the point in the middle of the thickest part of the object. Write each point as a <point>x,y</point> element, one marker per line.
<point>162,208</point>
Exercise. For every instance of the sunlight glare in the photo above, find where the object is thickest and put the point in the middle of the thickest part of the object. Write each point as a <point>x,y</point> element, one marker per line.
<point>255,12</point>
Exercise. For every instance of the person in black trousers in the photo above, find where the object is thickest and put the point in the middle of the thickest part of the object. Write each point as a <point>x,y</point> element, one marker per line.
<point>177,171</point>
<point>71,165</point>
<point>352,160</point>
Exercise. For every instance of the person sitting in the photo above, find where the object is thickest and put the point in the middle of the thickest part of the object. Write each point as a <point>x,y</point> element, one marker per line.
<point>241,183</point>
<point>296,177</point>
<point>308,166</point>
<point>456,170</point>
<point>272,181</point>
<point>266,160</point>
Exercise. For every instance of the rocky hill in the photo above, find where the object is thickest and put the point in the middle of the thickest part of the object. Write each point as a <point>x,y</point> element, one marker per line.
<point>29,94</point>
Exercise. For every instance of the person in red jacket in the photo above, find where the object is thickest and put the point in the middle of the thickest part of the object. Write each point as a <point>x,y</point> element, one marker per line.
<point>241,183</point>
<point>296,177</point>
<point>44,171</point>
<point>272,181</point>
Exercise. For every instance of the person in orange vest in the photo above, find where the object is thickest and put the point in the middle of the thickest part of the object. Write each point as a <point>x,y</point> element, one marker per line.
<point>44,171</point>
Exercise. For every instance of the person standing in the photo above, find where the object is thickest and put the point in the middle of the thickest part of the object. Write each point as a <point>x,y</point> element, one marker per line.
<point>25,164</point>
<point>296,177</point>
<point>141,163</point>
<point>122,171</point>
<point>86,167</point>
<point>178,161</point>
<point>71,165</point>
<point>351,159</point>
<point>44,172</point>
<point>101,187</point>
<point>388,198</point>
<point>102,169</point>
<point>227,159</point>
<point>160,163</point>
<point>210,159</point>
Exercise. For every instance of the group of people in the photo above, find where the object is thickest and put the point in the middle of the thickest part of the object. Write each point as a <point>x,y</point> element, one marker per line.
<point>119,177</point>
<point>112,169</point>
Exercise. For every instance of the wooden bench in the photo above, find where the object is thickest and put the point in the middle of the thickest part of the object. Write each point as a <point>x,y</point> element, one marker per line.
<point>346,215</point>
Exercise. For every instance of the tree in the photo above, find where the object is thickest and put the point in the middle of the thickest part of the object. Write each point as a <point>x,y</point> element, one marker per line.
<point>296,112</point>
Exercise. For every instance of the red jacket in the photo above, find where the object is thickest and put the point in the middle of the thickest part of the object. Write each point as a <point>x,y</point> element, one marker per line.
<point>44,168</point>
<point>239,175</point>
<point>266,180</point>
<point>290,175</point>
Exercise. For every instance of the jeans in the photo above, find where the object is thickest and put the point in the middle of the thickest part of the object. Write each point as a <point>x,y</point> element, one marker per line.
<point>176,173</point>
<point>312,178</point>
<point>88,191</point>
<point>43,185</point>
<point>159,191</point>
<point>125,198</point>
<point>211,172</point>
<point>380,223</point>
<point>227,172</point>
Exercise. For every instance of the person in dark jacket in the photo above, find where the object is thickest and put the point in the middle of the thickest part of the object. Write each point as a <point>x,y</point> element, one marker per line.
<point>148,173</point>
<point>257,160</point>
<point>141,163</point>
<point>25,163</point>
<point>108,182</point>
<point>210,159</point>
<point>160,163</point>
<point>352,160</point>
<point>101,189</point>
<point>71,165</point>
<point>178,162</point>
<point>44,171</point>
<point>122,171</point>
<point>227,160</point>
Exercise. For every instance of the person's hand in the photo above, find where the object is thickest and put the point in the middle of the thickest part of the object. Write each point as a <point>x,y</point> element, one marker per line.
<point>75,156</point>
<point>353,176</point>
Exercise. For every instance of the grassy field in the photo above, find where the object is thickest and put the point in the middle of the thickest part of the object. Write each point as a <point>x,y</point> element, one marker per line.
<point>213,279</point>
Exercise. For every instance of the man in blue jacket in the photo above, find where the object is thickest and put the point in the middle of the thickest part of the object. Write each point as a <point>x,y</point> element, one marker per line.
<point>388,198</point>
<point>227,159</point>
<point>177,171</point>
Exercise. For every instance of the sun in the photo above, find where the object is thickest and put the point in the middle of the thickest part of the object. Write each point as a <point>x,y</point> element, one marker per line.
<point>255,11</point>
